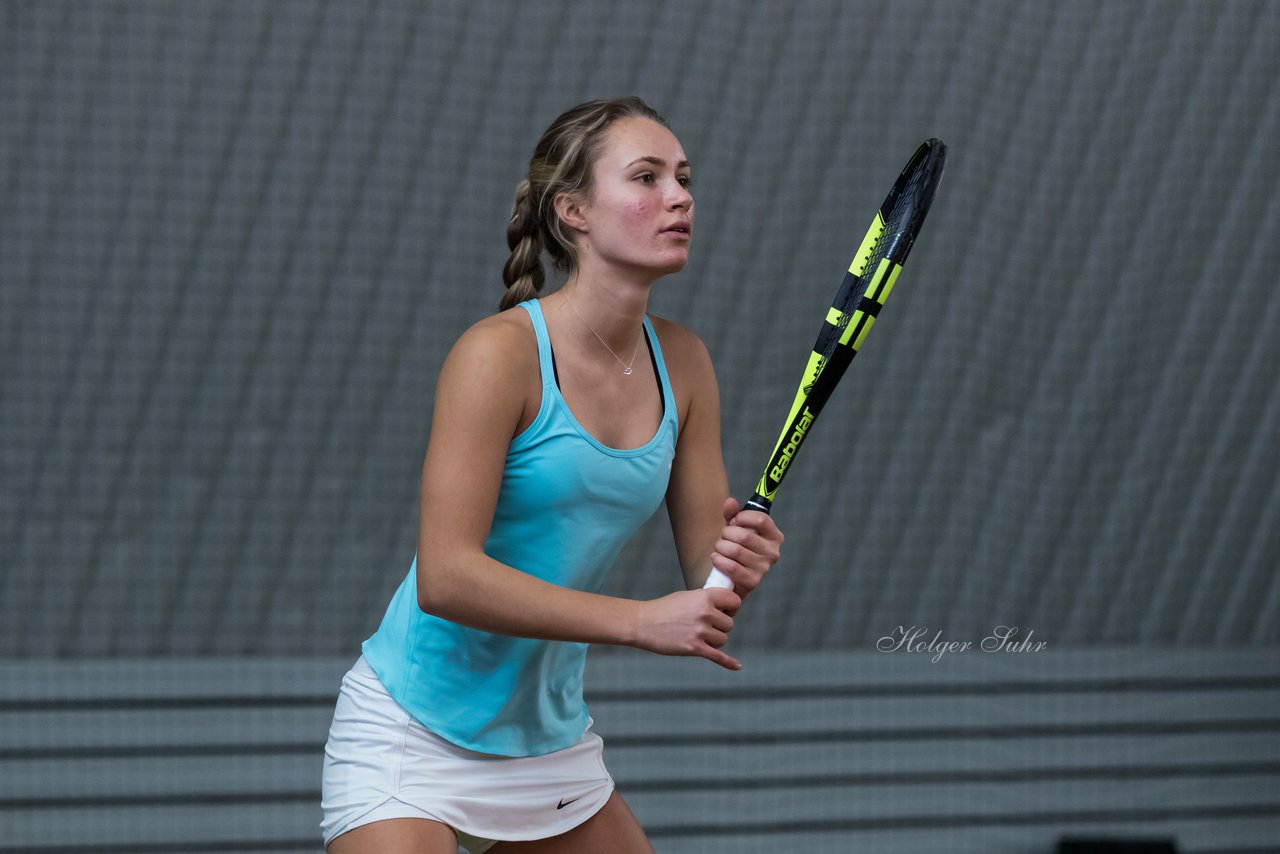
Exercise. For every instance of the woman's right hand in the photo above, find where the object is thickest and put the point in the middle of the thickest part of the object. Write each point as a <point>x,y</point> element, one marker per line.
<point>691,622</point>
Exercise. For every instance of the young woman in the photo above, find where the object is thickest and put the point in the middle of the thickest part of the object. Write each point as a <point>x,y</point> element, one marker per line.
<point>560,425</point>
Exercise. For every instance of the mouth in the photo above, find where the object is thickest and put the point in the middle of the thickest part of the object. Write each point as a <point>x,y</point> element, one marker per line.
<point>683,228</point>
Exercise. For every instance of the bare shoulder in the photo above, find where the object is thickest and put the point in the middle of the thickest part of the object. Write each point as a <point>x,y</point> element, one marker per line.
<point>496,354</point>
<point>688,361</point>
<point>502,339</point>
<point>682,349</point>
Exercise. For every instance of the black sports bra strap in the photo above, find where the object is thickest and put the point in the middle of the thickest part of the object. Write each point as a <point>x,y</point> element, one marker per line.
<point>653,359</point>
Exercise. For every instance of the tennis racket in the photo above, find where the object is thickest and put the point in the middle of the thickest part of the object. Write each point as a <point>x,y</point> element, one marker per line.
<point>866,286</point>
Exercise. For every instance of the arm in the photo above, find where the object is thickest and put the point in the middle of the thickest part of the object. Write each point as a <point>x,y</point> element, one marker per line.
<point>480,398</point>
<point>708,525</point>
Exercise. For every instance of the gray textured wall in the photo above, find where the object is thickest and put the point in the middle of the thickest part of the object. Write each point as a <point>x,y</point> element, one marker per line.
<point>237,238</point>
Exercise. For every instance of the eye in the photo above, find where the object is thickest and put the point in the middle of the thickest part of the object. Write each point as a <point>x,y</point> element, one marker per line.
<point>686,181</point>
<point>646,177</point>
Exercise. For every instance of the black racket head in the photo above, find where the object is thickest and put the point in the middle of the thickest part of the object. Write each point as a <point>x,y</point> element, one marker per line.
<point>891,235</point>
<point>908,203</point>
<point>862,293</point>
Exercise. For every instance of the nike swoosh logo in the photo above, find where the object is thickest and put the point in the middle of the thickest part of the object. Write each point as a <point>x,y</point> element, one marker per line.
<point>564,804</point>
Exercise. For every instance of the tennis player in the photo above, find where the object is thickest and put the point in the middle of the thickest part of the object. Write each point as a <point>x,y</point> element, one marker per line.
<point>561,423</point>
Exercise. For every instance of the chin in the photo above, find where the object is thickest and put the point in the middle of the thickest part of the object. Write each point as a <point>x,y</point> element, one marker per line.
<point>663,272</point>
<point>659,267</point>
<point>674,266</point>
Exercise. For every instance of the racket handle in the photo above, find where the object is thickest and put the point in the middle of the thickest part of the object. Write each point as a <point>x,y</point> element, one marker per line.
<point>718,578</point>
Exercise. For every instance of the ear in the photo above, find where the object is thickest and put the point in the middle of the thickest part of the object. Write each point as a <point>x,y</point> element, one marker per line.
<point>568,206</point>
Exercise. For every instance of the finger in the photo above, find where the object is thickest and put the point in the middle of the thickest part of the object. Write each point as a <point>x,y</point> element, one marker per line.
<point>746,566</point>
<point>753,550</point>
<point>731,508</point>
<point>714,639</point>
<point>723,659</point>
<point>725,553</point>
<point>722,623</point>
<point>725,564</point>
<point>740,534</point>
<point>750,542</point>
<point>741,577</point>
<point>761,523</point>
<point>724,600</point>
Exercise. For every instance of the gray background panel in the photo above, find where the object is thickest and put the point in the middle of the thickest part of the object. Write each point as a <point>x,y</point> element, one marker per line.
<point>237,239</point>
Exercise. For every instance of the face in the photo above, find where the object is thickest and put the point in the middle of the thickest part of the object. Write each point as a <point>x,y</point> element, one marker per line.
<point>638,214</point>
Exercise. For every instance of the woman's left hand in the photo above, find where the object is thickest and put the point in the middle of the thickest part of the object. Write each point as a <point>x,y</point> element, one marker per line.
<point>749,546</point>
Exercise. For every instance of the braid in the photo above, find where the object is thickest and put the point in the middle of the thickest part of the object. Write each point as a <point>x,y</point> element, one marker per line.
<point>523,274</point>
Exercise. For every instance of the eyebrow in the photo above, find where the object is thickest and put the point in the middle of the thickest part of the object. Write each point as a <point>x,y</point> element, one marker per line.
<point>656,161</point>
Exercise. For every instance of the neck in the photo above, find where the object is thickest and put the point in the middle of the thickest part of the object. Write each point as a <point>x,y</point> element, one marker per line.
<point>615,311</point>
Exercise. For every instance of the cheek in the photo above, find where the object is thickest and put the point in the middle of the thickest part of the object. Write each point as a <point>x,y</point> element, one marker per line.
<point>639,210</point>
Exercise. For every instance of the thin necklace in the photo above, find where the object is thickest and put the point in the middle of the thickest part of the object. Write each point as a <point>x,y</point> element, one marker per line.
<point>626,367</point>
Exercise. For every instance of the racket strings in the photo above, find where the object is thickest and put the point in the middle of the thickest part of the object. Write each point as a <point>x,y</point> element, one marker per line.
<point>898,220</point>
<point>894,227</point>
<point>891,228</point>
<point>899,217</point>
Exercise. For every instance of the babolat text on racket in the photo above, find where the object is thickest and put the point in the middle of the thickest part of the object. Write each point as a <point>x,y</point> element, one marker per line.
<point>866,286</point>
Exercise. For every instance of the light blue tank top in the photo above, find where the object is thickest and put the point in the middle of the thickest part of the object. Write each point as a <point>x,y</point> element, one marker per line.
<point>567,505</point>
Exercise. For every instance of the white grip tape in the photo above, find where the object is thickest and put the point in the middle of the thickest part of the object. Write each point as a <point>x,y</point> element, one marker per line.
<point>718,579</point>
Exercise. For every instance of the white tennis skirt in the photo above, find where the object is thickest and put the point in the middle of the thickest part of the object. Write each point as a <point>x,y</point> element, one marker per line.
<point>381,763</point>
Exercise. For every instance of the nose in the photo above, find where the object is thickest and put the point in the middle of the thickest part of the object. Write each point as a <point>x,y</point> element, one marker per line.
<point>680,198</point>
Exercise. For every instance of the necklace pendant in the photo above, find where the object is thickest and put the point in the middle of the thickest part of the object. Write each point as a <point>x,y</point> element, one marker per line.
<point>626,372</point>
